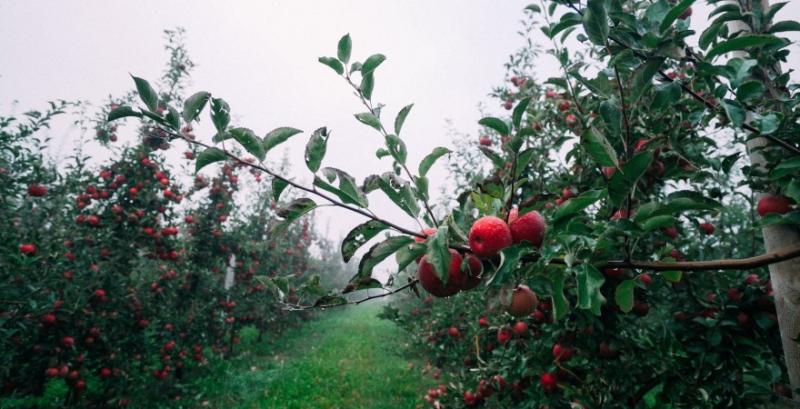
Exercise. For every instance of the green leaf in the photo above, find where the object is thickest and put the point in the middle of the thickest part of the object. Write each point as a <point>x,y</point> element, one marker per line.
<point>673,14</point>
<point>567,20</point>
<point>278,186</point>
<point>344,48</point>
<point>519,110</point>
<point>316,148</point>
<point>577,204</point>
<point>249,141</point>
<point>743,42</point>
<point>438,253</point>
<point>367,118</point>
<point>783,26</point>
<point>409,254</point>
<point>497,161</point>
<point>622,182</point>
<point>793,190</point>
<point>658,222</point>
<point>220,114</point>
<point>397,148</point>
<point>193,106</point>
<point>750,90</point>
<point>560,302</point>
<point>401,118</point>
<point>330,301</point>
<point>735,112</point>
<point>666,95</point>
<point>590,280</point>
<point>495,123</point>
<point>367,84</point>
<point>278,136</point>
<point>595,22</point>
<point>429,160</point>
<point>122,112</point>
<point>371,63</point>
<point>293,211</point>
<point>147,94</point>
<point>348,191</point>
<point>612,116</point>
<point>335,64</point>
<point>709,34</point>
<point>508,264</point>
<point>207,157</point>
<point>172,118</point>
<point>643,79</point>
<point>360,236</point>
<point>672,276</point>
<point>623,295</point>
<point>599,147</point>
<point>651,397</point>
<point>379,252</point>
<point>398,192</point>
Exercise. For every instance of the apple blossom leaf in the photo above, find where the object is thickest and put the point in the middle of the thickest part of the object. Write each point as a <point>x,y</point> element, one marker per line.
<point>371,63</point>
<point>344,47</point>
<point>335,64</point>
<point>519,110</point>
<point>360,236</point>
<point>497,161</point>
<point>623,295</point>
<point>193,106</point>
<point>122,112</point>
<point>248,139</point>
<point>278,136</point>
<point>398,192</point>
<point>658,222</point>
<point>743,42</point>
<point>577,204</point>
<point>428,161</point>
<point>567,20</point>
<point>347,191</point>
<point>209,156</point>
<point>409,254</point>
<point>612,116</point>
<point>673,276</point>
<point>750,90</point>
<point>673,15</point>
<point>378,253</point>
<point>599,147</point>
<point>172,118</point>
<point>397,148</point>
<point>509,262</point>
<point>590,280</point>
<point>367,85</point>
<point>595,22</point>
<point>220,114</point>
<point>154,116</point>
<point>330,301</point>
<point>401,118</point>
<point>709,34</point>
<point>643,79</point>
<point>496,124</point>
<point>290,213</point>
<point>678,204</point>
<point>421,183</point>
<point>315,149</point>
<point>146,93</point>
<point>666,95</point>
<point>438,253</point>
<point>278,186</point>
<point>621,183</point>
<point>560,302</point>
<point>368,118</point>
<point>525,157</point>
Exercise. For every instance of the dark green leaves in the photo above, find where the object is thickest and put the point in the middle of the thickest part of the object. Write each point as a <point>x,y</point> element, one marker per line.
<point>220,114</point>
<point>379,252</point>
<point>348,191</point>
<point>782,26</point>
<point>595,22</point>
<point>401,118</point>
<point>315,149</point>
<point>359,236</point>
<point>622,182</point>
<point>576,204</point>
<point>519,110</point>
<point>666,95</point>
<point>296,209</point>
<point>509,262</point>
<point>624,295</point>
<point>194,105</point>
<point>643,78</point>
<point>495,123</point>
<point>278,136</point>
<point>429,160</point>
<point>278,186</point>
<point>744,42</point>
<point>344,48</point>
<point>147,94</point>
<point>599,147</point>
<point>249,141</point>
<point>438,254</point>
<point>208,156</point>
<point>372,63</point>
<point>367,118</point>
<point>673,14</point>
<point>122,112</point>
<point>589,282</point>
<point>333,63</point>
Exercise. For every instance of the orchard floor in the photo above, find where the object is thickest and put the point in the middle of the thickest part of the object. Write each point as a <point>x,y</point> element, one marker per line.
<point>346,358</point>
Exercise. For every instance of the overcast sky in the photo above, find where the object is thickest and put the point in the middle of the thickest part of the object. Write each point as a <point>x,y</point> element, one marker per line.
<point>261,56</point>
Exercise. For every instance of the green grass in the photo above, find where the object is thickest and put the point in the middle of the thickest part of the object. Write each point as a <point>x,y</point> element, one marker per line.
<point>346,358</point>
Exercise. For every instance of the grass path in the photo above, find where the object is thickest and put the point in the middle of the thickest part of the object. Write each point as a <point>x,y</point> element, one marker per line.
<point>348,358</point>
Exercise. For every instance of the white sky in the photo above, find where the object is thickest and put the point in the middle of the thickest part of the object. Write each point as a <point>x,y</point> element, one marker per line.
<point>261,56</point>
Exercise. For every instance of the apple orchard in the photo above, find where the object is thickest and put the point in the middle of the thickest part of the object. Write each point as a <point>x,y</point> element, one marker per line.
<point>627,236</point>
